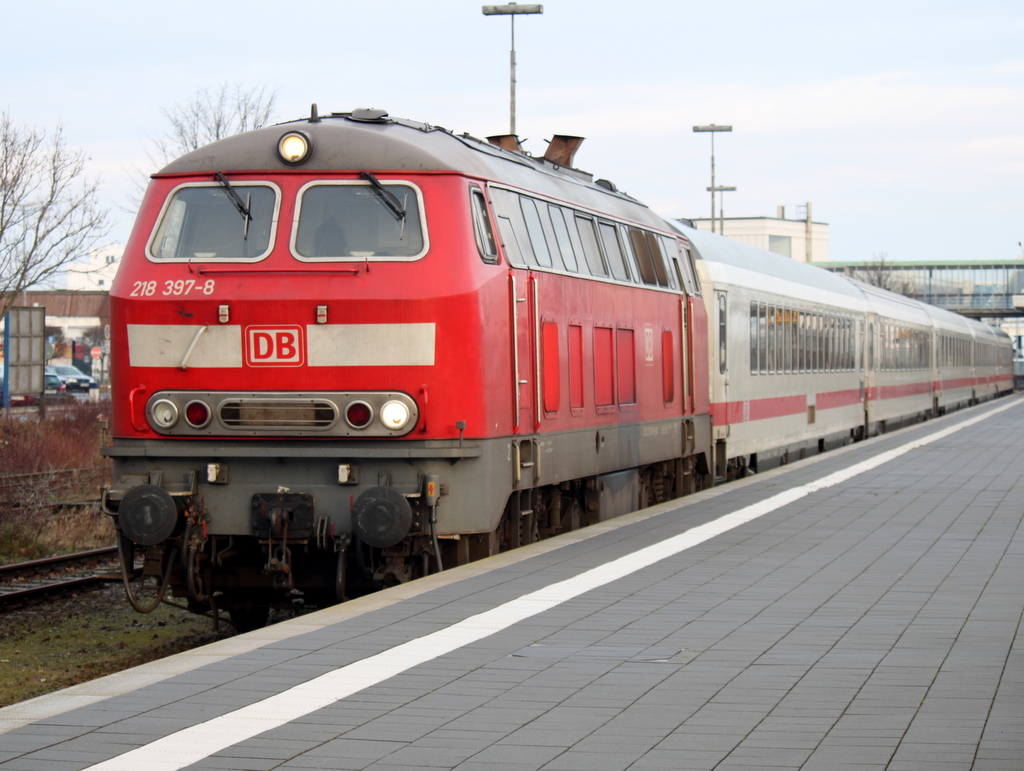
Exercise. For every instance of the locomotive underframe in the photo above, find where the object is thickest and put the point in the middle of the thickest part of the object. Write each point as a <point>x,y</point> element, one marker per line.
<point>278,515</point>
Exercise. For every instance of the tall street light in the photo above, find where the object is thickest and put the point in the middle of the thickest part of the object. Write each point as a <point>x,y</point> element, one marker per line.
<point>712,129</point>
<point>721,208</point>
<point>512,9</point>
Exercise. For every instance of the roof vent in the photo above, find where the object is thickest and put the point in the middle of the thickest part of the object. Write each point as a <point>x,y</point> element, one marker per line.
<point>607,184</point>
<point>369,115</point>
<point>506,142</point>
<point>562,149</point>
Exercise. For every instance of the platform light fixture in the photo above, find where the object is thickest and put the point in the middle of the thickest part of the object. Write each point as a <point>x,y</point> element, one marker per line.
<point>712,129</point>
<point>512,10</point>
<point>721,207</point>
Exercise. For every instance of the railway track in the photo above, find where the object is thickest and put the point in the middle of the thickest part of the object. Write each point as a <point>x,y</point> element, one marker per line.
<point>36,578</point>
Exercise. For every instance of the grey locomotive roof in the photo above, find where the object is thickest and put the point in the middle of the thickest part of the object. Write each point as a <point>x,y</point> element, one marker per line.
<point>342,142</point>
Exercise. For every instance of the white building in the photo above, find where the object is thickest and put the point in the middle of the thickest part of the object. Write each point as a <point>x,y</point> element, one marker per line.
<point>98,273</point>
<point>800,239</point>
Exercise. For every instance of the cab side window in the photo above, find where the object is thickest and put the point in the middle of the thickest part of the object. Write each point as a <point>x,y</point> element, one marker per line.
<point>482,229</point>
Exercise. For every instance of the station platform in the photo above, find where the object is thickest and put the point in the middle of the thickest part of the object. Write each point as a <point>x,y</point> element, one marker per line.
<point>858,610</point>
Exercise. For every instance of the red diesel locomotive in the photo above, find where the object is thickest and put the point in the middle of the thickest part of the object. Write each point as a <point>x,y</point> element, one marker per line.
<point>357,349</point>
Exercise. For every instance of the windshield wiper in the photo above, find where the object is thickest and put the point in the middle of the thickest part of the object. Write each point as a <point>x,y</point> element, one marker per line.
<point>243,208</point>
<point>388,198</point>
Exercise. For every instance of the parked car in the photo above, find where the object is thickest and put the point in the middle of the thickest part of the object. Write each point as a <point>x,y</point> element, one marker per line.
<point>53,385</point>
<point>72,377</point>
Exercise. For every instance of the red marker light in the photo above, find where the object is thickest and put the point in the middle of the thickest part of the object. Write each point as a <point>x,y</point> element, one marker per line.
<point>359,414</point>
<point>197,414</point>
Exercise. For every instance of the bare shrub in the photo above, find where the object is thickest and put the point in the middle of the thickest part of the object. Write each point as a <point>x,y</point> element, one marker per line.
<point>44,462</point>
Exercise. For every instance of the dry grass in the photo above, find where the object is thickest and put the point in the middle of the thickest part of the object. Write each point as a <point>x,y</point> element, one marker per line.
<point>43,462</point>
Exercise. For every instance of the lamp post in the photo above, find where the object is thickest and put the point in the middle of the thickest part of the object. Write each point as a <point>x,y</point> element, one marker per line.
<point>721,207</point>
<point>512,9</point>
<point>712,129</point>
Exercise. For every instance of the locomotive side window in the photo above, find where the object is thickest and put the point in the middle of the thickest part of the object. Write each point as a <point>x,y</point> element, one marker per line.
<point>508,239</point>
<point>201,221</point>
<point>591,250</point>
<point>658,259</point>
<point>613,251</point>
<point>562,238</point>
<point>482,229</point>
<point>535,231</point>
<point>511,227</point>
<point>681,261</point>
<point>643,255</point>
<point>357,221</point>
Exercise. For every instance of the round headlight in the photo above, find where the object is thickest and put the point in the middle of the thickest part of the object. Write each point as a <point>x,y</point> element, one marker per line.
<point>358,414</point>
<point>165,413</point>
<point>294,147</point>
<point>394,415</point>
<point>197,414</point>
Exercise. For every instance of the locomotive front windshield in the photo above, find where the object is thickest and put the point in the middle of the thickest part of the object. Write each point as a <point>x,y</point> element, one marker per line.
<point>203,222</point>
<point>358,221</point>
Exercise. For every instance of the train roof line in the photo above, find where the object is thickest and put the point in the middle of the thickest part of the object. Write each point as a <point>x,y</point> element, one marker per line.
<point>251,151</point>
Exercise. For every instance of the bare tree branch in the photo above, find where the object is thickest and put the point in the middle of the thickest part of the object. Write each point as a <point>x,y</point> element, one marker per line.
<point>212,115</point>
<point>206,117</point>
<point>49,214</point>
<point>881,273</point>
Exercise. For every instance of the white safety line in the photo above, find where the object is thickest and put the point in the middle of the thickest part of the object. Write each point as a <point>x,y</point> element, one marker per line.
<point>192,745</point>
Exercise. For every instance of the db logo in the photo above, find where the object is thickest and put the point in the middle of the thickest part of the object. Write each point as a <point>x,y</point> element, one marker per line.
<point>274,346</point>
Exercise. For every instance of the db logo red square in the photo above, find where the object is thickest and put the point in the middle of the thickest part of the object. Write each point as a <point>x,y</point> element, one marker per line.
<point>274,346</point>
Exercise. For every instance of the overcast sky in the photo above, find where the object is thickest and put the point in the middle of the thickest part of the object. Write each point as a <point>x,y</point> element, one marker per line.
<point>902,121</point>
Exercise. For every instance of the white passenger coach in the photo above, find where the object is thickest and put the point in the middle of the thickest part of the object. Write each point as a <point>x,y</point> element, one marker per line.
<point>803,359</point>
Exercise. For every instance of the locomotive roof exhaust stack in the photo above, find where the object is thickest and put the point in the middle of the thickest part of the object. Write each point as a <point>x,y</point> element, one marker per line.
<point>506,142</point>
<point>562,149</point>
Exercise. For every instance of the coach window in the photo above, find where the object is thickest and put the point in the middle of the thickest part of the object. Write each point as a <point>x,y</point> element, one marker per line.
<point>358,221</point>
<point>201,222</point>
<point>762,338</point>
<point>613,251</point>
<point>798,364</point>
<point>815,340</point>
<point>535,231</point>
<point>591,250</point>
<point>482,229</point>
<point>771,339</point>
<point>794,340</point>
<point>753,338</point>
<point>562,240</point>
